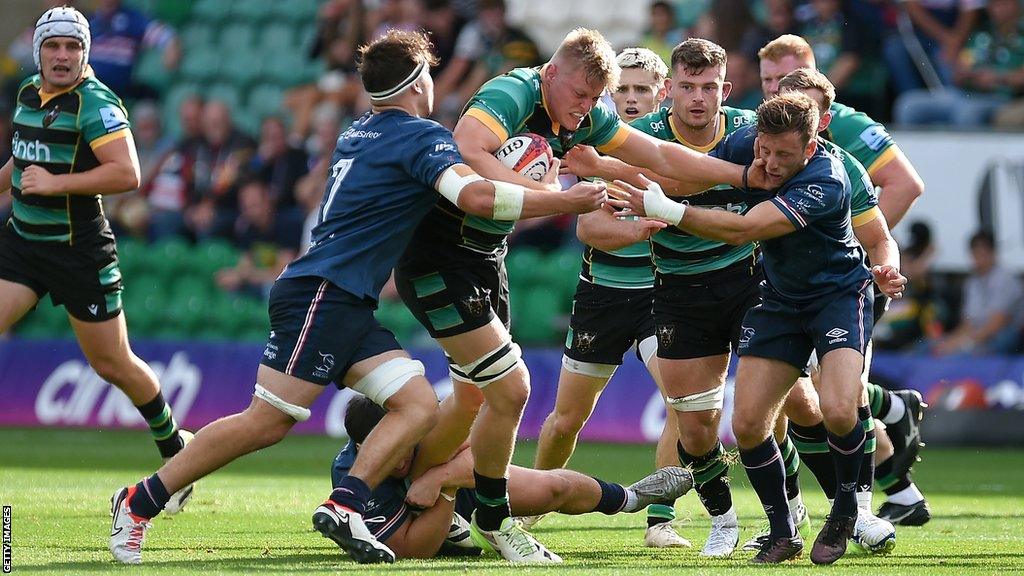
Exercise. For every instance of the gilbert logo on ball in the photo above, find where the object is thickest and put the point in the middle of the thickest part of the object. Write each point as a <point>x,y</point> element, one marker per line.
<point>528,154</point>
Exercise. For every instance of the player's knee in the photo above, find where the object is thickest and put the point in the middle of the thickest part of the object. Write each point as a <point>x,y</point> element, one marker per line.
<point>111,367</point>
<point>415,402</point>
<point>567,424</point>
<point>749,429</point>
<point>509,396</point>
<point>700,430</point>
<point>840,414</point>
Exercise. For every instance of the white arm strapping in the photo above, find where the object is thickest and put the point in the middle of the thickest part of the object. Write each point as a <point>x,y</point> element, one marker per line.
<point>508,200</point>
<point>450,184</point>
<point>660,207</point>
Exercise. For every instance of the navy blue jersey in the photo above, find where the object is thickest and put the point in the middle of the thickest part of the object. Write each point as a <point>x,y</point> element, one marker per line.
<point>822,255</point>
<point>380,186</point>
<point>386,511</point>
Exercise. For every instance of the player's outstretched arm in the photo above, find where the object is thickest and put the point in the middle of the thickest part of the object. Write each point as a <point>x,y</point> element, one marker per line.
<point>500,200</point>
<point>118,172</point>
<point>477,144</point>
<point>884,254</point>
<point>604,231</point>
<point>693,171</point>
<point>584,161</point>
<point>762,222</point>
<point>900,185</point>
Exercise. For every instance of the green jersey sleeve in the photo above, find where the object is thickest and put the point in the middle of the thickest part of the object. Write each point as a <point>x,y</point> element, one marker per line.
<point>606,131</point>
<point>863,200</point>
<point>858,134</point>
<point>102,116</point>
<point>503,103</point>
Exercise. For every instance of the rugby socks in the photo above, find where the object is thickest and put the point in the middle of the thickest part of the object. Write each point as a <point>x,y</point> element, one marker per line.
<point>812,444</point>
<point>614,498</point>
<point>847,453</point>
<point>906,497</point>
<point>492,497</point>
<point>791,461</point>
<point>710,478</point>
<point>866,478</point>
<point>887,479</point>
<point>351,493</point>
<point>767,475</point>
<point>885,405</point>
<point>162,425</point>
<point>148,497</point>
<point>660,513</point>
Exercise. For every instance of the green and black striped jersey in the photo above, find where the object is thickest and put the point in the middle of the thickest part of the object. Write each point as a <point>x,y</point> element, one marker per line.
<point>672,250</point>
<point>58,132</point>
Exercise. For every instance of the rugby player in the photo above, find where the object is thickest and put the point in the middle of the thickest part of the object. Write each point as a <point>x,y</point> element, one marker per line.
<point>899,186</point>
<point>421,519</point>
<point>452,277</point>
<point>386,172</point>
<point>72,145</point>
<point>816,297</point>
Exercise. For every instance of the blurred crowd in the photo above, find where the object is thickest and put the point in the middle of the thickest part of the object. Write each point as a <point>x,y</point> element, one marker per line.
<point>258,184</point>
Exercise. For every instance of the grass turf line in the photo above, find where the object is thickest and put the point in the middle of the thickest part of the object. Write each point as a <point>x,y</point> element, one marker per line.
<point>254,516</point>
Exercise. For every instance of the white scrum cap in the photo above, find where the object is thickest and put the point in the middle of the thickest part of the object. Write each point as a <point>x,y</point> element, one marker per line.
<point>61,21</point>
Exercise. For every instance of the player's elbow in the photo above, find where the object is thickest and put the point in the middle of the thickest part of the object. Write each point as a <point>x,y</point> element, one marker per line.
<point>128,178</point>
<point>740,236</point>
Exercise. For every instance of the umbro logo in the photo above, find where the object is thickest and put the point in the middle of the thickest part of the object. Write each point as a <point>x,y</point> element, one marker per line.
<point>836,333</point>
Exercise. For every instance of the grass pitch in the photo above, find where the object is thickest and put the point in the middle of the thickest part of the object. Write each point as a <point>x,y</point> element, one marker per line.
<point>254,516</point>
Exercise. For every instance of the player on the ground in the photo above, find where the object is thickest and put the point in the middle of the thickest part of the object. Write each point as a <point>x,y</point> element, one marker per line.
<point>611,310</point>
<point>872,232</point>
<point>72,144</point>
<point>387,170</point>
<point>899,186</point>
<point>702,287</point>
<point>452,277</point>
<point>415,519</point>
<point>816,297</point>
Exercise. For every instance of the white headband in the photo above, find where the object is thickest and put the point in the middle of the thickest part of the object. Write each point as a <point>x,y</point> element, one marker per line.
<point>385,94</point>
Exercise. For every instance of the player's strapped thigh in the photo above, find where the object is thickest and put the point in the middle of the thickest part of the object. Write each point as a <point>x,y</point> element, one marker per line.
<point>457,299</point>
<point>490,366</point>
<point>843,321</point>
<point>318,330</point>
<point>387,378</point>
<point>699,315</point>
<point>605,323</point>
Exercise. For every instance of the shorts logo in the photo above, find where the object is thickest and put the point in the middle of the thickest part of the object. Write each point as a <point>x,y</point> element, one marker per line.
<point>326,364</point>
<point>666,334</point>
<point>476,304</point>
<point>836,335</point>
<point>94,309</point>
<point>745,335</point>
<point>585,341</point>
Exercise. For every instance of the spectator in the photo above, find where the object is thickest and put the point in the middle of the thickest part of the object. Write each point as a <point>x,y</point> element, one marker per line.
<point>989,72</point>
<point>278,164</point>
<point>168,188</point>
<point>779,19</point>
<point>728,23</point>
<point>940,28</point>
<point>309,190</point>
<point>918,316</point>
<point>834,41</point>
<point>119,35</point>
<point>664,33</point>
<point>395,14</point>
<point>129,213</point>
<point>269,241</point>
<point>219,161</point>
<point>340,30</point>
<point>745,76</point>
<point>487,47</point>
<point>989,319</point>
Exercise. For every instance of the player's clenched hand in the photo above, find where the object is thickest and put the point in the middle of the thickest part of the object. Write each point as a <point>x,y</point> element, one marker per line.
<point>889,281</point>
<point>550,180</point>
<point>650,202</point>
<point>581,160</point>
<point>37,180</point>
<point>585,197</point>
<point>423,492</point>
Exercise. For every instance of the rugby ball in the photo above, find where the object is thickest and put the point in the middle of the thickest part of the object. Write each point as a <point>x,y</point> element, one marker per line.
<point>528,154</point>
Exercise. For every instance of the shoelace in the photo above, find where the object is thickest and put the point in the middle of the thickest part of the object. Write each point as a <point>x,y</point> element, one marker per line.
<point>718,537</point>
<point>135,535</point>
<point>520,539</point>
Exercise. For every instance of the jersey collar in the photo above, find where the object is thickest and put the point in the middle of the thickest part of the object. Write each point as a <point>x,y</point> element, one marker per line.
<point>719,134</point>
<point>45,96</point>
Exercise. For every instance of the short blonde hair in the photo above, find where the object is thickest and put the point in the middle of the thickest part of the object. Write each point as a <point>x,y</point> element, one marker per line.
<point>790,112</point>
<point>786,45</point>
<point>809,79</point>
<point>587,50</point>
<point>644,59</point>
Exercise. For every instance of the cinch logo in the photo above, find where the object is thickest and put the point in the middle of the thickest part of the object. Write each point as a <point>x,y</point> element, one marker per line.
<point>33,150</point>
